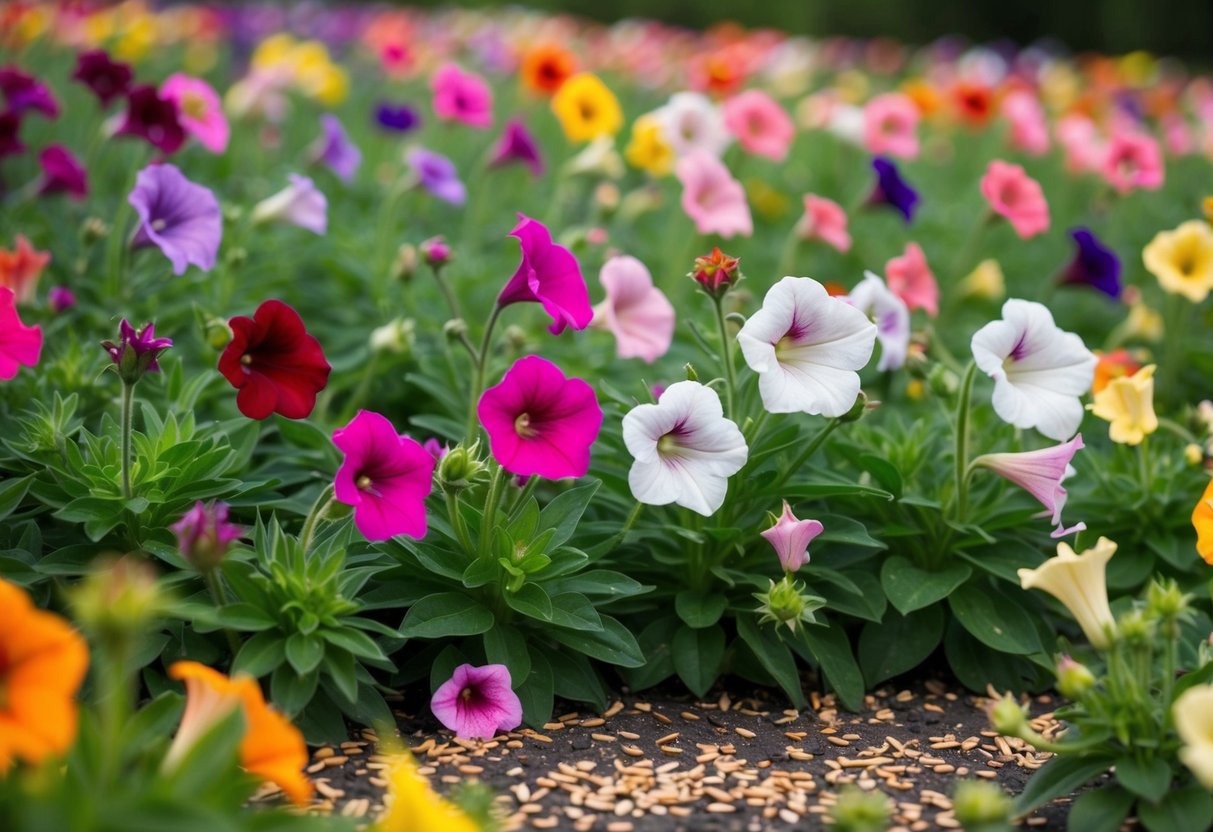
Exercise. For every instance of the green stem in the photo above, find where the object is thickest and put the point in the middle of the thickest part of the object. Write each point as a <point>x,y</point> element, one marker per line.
<point>451,301</point>
<point>962,442</point>
<point>791,246</point>
<point>814,443</point>
<point>215,588</point>
<point>632,518</point>
<point>128,419</point>
<point>482,357</point>
<point>313,517</point>
<point>526,491</point>
<point>458,524</point>
<point>489,517</point>
<point>1143,459</point>
<point>115,704</point>
<point>726,355</point>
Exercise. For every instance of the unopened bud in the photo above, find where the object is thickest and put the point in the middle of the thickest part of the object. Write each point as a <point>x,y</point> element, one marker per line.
<point>717,272</point>
<point>860,811</point>
<point>857,410</point>
<point>692,375</point>
<point>1007,716</point>
<point>93,230</point>
<point>455,329</point>
<point>982,807</point>
<point>405,264</point>
<point>459,467</point>
<point>118,597</point>
<point>1074,680</point>
<point>436,252</point>
<point>943,382</point>
<point>395,336</point>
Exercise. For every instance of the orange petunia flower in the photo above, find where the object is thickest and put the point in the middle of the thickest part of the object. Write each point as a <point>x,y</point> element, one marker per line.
<point>42,662</point>
<point>272,748</point>
<point>1202,519</point>
<point>545,67</point>
<point>974,104</point>
<point>21,268</point>
<point>1113,365</point>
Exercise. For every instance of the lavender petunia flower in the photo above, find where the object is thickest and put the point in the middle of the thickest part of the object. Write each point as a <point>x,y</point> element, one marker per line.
<point>400,118</point>
<point>335,150</point>
<point>25,92</point>
<point>107,78</point>
<point>516,144</point>
<point>437,174</point>
<point>1094,265</point>
<point>180,218</point>
<point>892,190</point>
<point>300,203</point>
<point>62,173</point>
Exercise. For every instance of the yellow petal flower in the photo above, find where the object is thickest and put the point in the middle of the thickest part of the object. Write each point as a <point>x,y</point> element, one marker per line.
<point>1202,519</point>
<point>1080,583</point>
<point>985,281</point>
<point>1127,403</point>
<point>648,150</point>
<point>586,108</point>
<point>415,807</point>
<point>1182,260</point>
<point>1193,713</point>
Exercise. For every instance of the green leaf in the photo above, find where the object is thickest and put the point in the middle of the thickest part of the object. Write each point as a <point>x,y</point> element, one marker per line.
<point>245,617</point>
<point>614,645</point>
<point>1149,779</point>
<point>899,643</point>
<point>1190,808</point>
<point>600,583</point>
<point>12,492</point>
<point>290,691</point>
<point>153,722</point>
<point>341,668</point>
<point>910,588</point>
<point>699,609</point>
<point>564,512</point>
<point>480,572</point>
<point>531,601</point>
<point>655,641</point>
<point>994,619</point>
<point>304,652</point>
<point>575,611</point>
<point>574,678</point>
<point>1101,810</point>
<point>261,654</point>
<point>536,692</point>
<point>831,648</point>
<point>1061,775</point>
<point>977,666</point>
<point>354,641</point>
<point>773,655</point>
<point>446,614</point>
<point>698,655</point>
<point>505,644</point>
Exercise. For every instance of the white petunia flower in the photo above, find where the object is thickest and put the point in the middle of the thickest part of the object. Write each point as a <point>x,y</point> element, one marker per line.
<point>685,449</point>
<point>891,316</point>
<point>690,121</point>
<point>1039,370</point>
<point>807,348</point>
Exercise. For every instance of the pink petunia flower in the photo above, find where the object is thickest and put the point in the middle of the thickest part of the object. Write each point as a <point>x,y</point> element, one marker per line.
<point>462,96</point>
<point>540,422</point>
<point>1029,127</point>
<point>19,344</point>
<point>825,220</point>
<point>1017,197</point>
<point>1133,160</point>
<point>636,312</point>
<point>1040,473</point>
<point>62,172</point>
<point>199,109</point>
<point>1080,139</point>
<point>385,477</point>
<point>760,124</point>
<point>790,537</point>
<point>890,126</point>
<point>911,279</point>
<point>477,702</point>
<point>711,197</point>
<point>549,275</point>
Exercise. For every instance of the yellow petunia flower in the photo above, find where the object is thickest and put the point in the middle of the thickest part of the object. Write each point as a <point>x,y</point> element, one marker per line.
<point>648,150</point>
<point>1079,581</point>
<point>1182,260</point>
<point>587,108</point>
<point>1202,520</point>
<point>273,51</point>
<point>1127,403</point>
<point>415,807</point>
<point>986,281</point>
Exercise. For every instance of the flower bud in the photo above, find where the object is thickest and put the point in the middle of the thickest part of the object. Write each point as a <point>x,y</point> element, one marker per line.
<point>943,382</point>
<point>436,252</point>
<point>1136,627</point>
<point>861,406</point>
<point>405,264</point>
<point>607,197</point>
<point>455,329</point>
<point>1165,600</point>
<point>1008,716</point>
<point>237,257</point>
<point>784,603</point>
<point>93,230</point>
<point>216,332</point>
<point>118,598</point>
<point>204,535</point>
<point>692,375</point>
<point>395,337</point>
<point>61,299</point>
<point>459,467</point>
<point>515,338</point>
<point>860,811</point>
<point>981,806</point>
<point>717,272</point>
<point>1193,454</point>
<point>136,352</point>
<point>1074,680</point>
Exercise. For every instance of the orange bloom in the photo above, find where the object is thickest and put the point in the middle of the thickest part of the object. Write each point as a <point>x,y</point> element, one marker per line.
<point>21,268</point>
<point>42,662</point>
<point>974,103</point>
<point>1202,519</point>
<point>547,66</point>
<point>1113,365</point>
<point>924,96</point>
<point>272,748</point>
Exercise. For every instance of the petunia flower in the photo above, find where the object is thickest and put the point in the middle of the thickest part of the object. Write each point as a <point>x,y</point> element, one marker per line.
<point>790,538</point>
<point>1040,473</point>
<point>10,135</point>
<point>1127,404</point>
<point>24,92</point>
<point>1133,160</point>
<point>21,268</point>
<point>414,806</point>
<point>912,280</point>
<point>1080,140</point>
<point>1202,521</point>
<point>137,351</point>
<point>108,79</point>
<point>437,174</point>
<point>711,197</point>
<point>399,118</point>
<point>271,748</point>
<point>517,145</point>
<point>19,344</point>
<point>477,702</point>
<point>691,123</point>
<point>546,66</point>
<point>890,126</point>
<point>1029,125</point>
<point>199,109</point>
<point>60,299</point>
<point>180,218</point>
<point>204,534</point>
<point>892,190</point>
<point>274,363</point>
<point>647,149</point>
<point>1080,582</point>
<point>1039,371</point>
<point>62,172</point>
<point>825,220</point>
<point>335,150</point>
<point>1182,260</point>
<point>986,281</point>
<point>1192,713</point>
<point>300,203</point>
<point>385,476</point>
<point>684,449</point>
<point>587,109</point>
<point>636,312</point>
<point>891,316</point>
<point>153,118</point>
<point>549,275</point>
<point>539,422</point>
<point>1094,265</point>
<point>1016,196</point>
<point>44,664</point>
<point>760,124</point>
<point>807,348</point>
<point>462,96</point>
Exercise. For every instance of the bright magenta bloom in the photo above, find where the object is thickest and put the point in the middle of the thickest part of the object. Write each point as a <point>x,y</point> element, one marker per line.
<point>1040,474</point>
<point>199,110</point>
<point>477,702</point>
<point>760,124</point>
<point>1133,160</point>
<point>890,126</point>
<point>911,279</point>
<point>1016,196</point>
<point>462,96</point>
<point>19,344</point>
<point>549,275</point>
<point>636,312</point>
<point>825,220</point>
<point>385,477</point>
<point>540,422</point>
<point>712,198</point>
<point>790,537</point>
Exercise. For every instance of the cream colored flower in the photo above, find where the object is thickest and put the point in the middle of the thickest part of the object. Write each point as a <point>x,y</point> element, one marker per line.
<point>1080,583</point>
<point>1193,713</point>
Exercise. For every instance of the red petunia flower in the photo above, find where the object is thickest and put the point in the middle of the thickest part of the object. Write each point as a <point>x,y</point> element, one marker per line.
<point>274,363</point>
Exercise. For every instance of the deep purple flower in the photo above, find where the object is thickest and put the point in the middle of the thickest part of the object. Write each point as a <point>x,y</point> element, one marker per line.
<point>10,140</point>
<point>107,78</point>
<point>61,299</point>
<point>25,92</point>
<point>437,174</point>
<point>335,150</point>
<point>179,217</point>
<point>398,117</point>
<point>204,535</point>
<point>516,144</point>
<point>1094,265</point>
<point>137,351</point>
<point>153,119</point>
<point>62,173</point>
<point>891,189</point>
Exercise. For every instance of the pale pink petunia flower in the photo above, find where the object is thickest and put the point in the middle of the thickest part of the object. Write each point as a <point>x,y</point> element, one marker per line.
<point>477,702</point>
<point>1016,196</point>
<point>790,537</point>
<point>462,96</point>
<point>199,109</point>
<point>1079,138</point>
<point>1040,473</point>
<point>636,312</point>
<point>1133,160</point>
<point>912,280</point>
<point>825,220</point>
<point>711,197</point>
<point>890,126</point>
<point>761,126</point>
<point>1029,126</point>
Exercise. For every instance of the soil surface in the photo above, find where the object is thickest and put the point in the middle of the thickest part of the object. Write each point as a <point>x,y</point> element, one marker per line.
<point>661,761</point>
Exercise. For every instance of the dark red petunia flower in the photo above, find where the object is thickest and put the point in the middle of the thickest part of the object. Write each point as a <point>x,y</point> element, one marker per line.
<point>153,119</point>
<point>274,363</point>
<point>10,138</point>
<point>107,78</point>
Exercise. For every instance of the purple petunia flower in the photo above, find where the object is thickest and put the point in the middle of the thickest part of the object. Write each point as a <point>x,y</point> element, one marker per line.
<point>61,299</point>
<point>335,150</point>
<point>62,173</point>
<point>437,174</point>
<point>107,78</point>
<point>891,189</point>
<point>516,144</point>
<point>10,140</point>
<point>153,119</point>
<point>400,118</point>
<point>25,92</point>
<point>204,534</point>
<point>180,218</point>
<point>1094,265</point>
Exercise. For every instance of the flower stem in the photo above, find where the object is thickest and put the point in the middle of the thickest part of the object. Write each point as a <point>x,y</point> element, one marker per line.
<point>128,418</point>
<point>726,356</point>
<point>458,524</point>
<point>1143,458</point>
<point>490,510</point>
<point>963,404</point>
<point>632,518</point>
<point>482,357</point>
<point>451,300</point>
<point>313,517</point>
<point>215,588</point>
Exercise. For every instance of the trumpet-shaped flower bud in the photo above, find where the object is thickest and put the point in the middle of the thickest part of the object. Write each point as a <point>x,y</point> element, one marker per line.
<point>1079,581</point>
<point>790,537</point>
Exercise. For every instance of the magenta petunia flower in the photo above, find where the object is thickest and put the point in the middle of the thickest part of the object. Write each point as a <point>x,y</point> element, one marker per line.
<point>107,78</point>
<point>335,150</point>
<point>477,702</point>
<point>636,312</point>
<point>199,109</point>
<point>385,477</point>
<point>204,534</point>
<point>1040,473</point>
<point>437,174</point>
<point>711,197</point>
<point>517,145</point>
<point>153,118</point>
<point>19,344</point>
<point>790,538</point>
<point>462,96</point>
<point>540,422</point>
<point>890,126</point>
<point>24,92</point>
<point>180,218</point>
<point>549,275</point>
<point>62,173</point>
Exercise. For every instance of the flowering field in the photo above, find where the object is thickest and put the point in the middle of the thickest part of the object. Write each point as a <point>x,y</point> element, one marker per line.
<point>518,361</point>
